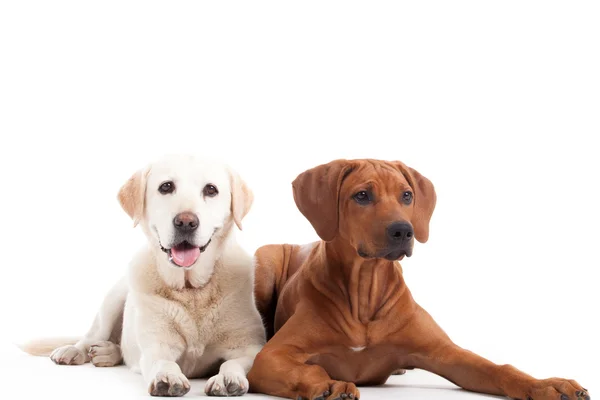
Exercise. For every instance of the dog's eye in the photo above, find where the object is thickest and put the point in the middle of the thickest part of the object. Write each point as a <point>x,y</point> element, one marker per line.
<point>166,187</point>
<point>210,190</point>
<point>407,197</point>
<point>362,197</point>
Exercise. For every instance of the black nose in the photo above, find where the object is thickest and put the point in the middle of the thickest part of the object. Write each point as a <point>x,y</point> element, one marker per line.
<point>186,222</point>
<point>399,232</point>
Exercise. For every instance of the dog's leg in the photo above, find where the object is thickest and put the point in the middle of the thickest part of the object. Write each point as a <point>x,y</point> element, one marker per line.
<point>281,368</point>
<point>231,379</point>
<point>161,346</point>
<point>161,371</point>
<point>431,349</point>
<point>282,371</point>
<point>107,320</point>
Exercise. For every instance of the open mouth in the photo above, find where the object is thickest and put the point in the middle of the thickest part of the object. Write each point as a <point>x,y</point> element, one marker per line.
<point>185,254</point>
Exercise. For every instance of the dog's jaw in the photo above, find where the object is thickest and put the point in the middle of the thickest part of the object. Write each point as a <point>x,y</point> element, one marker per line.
<point>180,278</point>
<point>169,250</point>
<point>197,275</point>
<point>387,254</point>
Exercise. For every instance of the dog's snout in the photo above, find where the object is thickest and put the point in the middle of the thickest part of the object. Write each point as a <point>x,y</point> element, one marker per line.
<point>186,222</point>
<point>400,232</point>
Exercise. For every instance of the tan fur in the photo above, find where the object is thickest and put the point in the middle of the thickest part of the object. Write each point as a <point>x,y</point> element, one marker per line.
<point>241,199</point>
<point>339,312</point>
<point>131,196</point>
<point>44,347</point>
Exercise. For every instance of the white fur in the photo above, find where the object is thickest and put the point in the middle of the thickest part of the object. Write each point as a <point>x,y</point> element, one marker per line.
<point>357,349</point>
<point>171,332</point>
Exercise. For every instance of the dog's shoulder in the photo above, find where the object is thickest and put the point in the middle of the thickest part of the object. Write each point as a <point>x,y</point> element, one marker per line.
<point>141,275</point>
<point>144,279</point>
<point>235,262</point>
<point>239,320</point>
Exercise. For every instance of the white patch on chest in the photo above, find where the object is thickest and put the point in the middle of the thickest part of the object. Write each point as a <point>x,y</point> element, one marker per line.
<point>361,348</point>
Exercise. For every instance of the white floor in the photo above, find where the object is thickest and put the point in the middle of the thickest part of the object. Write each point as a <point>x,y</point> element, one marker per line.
<point>28,377</point>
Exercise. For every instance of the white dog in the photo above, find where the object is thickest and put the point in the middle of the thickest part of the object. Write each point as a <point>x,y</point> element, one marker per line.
<point>187,303</point>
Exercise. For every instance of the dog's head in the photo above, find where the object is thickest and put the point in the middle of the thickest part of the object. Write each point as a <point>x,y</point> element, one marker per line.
<point>183,202</point>
<point>378,207</point>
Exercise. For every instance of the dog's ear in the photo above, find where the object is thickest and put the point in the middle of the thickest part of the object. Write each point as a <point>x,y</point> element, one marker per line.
<point>132,195</point>
<point>241,198</point>
<point>424,200</point>
<point>316,193</point>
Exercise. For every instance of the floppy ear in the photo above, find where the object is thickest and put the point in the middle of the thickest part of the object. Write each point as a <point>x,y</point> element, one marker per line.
<point>241,198</point>
<point>316,193</point>
<point>424,200</point>
<point>132,194</point>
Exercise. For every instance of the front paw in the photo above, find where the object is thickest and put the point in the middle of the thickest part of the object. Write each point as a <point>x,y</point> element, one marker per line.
<point>105,354</point>
<point>555,389</point>
<point>68,355</point>
<point>169,385</point>
<point>227,384</point>
<point>328,390</point>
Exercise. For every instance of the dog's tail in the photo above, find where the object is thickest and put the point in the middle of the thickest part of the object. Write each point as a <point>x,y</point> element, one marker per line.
<point>43,347</point>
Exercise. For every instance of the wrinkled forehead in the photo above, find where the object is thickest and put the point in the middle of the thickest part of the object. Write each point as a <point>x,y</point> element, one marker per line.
<point>376,175</point>
<point>188,170</point>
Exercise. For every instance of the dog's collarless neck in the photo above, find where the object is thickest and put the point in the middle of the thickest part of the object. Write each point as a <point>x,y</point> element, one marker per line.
<point>362,277</point>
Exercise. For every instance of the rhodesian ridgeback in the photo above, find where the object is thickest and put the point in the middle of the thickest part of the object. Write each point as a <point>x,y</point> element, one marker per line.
<point>338,312</point>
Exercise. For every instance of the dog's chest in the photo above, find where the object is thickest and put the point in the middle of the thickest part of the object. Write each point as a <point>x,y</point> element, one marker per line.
<point>359,364</point>
<point>197,312</point>
<point>363,354</point>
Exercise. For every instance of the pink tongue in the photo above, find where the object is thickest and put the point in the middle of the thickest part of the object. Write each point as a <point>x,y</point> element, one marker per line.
<point>185,257</point>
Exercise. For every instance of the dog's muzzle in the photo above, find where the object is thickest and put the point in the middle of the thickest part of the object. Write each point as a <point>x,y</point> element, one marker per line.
<point>184,254</point>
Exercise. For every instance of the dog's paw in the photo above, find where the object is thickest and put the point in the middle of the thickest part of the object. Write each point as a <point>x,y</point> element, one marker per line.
<point>227,384</point>
<point>68,355</point>
<point>555,389</point>
<point>169,385</point>
<point>105,354</point>
<point>330,390</point>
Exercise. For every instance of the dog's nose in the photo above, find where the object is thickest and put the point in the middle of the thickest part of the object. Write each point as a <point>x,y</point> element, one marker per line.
<point>400,232</point>
<point>186,222</point>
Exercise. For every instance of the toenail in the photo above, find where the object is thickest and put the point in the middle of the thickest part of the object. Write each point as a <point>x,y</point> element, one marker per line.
<point>564,397</point>
<point>326,393</point>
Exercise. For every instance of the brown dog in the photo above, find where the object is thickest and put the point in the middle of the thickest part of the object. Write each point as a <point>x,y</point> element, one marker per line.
<point>338,310</point>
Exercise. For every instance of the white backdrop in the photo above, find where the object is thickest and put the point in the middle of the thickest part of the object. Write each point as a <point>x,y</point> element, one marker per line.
<point>496,103</point>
